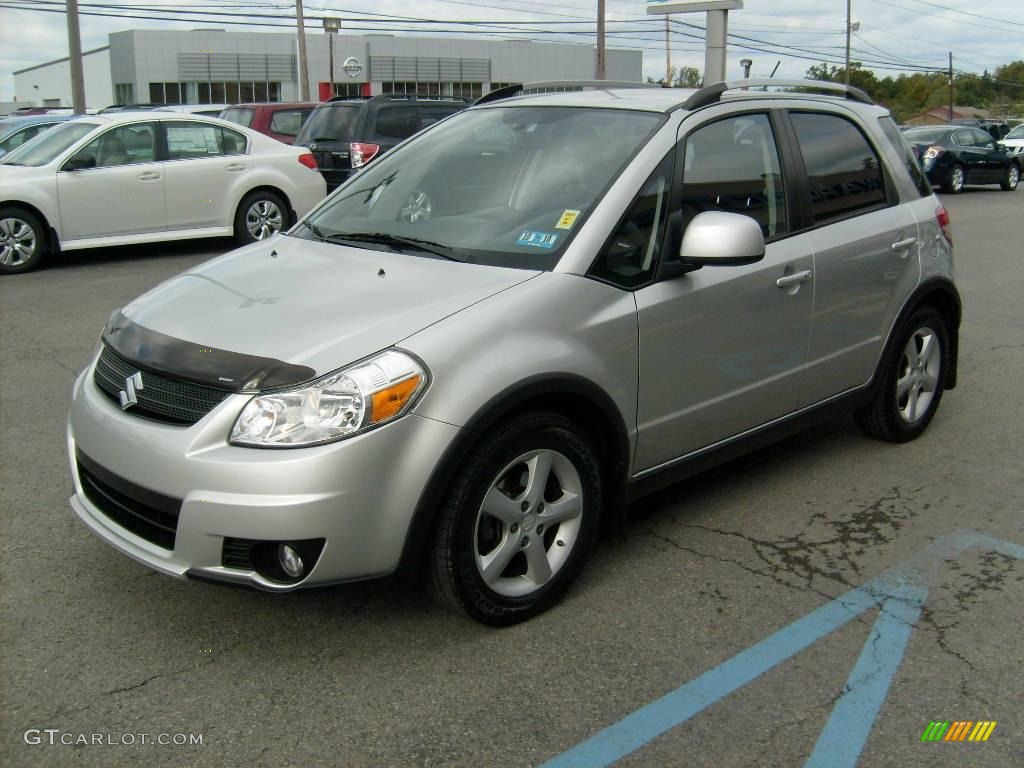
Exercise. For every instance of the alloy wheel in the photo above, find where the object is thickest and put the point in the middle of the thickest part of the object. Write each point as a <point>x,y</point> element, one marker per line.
<point>918,375</point>
<point>528,523</point>
<point>263,219</point>
<point>17,242</point>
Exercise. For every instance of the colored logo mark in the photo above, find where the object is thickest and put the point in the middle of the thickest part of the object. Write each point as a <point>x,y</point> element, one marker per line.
<point>958,730</point>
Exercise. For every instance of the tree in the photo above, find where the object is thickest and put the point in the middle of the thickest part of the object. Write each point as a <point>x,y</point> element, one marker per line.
<point>682,77</point>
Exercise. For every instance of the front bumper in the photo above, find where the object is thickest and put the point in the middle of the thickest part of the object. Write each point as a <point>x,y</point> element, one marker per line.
<point>357,494</point>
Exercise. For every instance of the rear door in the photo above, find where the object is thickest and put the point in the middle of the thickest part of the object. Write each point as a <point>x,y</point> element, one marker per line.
<point>205,165</point>
<point>866,249</point>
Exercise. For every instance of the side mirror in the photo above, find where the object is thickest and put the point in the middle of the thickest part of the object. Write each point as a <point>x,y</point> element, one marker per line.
<point>80,163</point>
<point>719,239</point>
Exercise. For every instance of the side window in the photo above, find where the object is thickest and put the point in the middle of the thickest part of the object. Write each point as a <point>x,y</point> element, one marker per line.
<point>910,160</point>
<point>630,256</point>
<point>431,115</point>
<point>982,139</point>
<point>19,138</point>
<point>191,140</point>
<point>733,165</point>
<point>397,122</point>
<point>844,173</point>
<point>125,145</point>
<point>286,121</point>
<point>963,139</point>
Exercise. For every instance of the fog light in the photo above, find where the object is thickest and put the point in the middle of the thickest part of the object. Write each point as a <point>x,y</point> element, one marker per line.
<point>290,561</point>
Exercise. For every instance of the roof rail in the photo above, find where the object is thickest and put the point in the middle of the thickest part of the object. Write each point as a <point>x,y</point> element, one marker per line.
<point>711,94</point>
<point>565,85</point>
<point>399,97</point>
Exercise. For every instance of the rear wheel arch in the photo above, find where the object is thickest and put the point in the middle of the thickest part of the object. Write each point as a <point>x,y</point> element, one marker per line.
<point>273,190</point>
<point>587,405</point>
<point>941,295</point>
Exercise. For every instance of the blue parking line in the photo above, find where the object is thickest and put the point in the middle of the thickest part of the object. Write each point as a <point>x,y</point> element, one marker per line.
<point>854,714</point>
<point>901,594</point>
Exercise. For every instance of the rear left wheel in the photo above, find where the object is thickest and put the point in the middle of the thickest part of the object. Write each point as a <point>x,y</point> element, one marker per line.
<point>519,520</point>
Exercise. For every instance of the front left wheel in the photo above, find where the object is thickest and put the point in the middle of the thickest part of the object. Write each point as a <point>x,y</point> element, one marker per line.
<point>518,521</point>
<point>22,241</point>
<point>260,215</point>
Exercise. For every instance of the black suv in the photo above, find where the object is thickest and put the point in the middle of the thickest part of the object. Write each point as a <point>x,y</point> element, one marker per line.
<point>347,132</point>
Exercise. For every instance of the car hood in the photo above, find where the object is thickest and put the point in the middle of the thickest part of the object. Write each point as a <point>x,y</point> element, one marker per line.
<point>288,310</point>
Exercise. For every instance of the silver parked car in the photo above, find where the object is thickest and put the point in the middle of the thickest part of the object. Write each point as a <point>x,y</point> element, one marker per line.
<point>473,354</point>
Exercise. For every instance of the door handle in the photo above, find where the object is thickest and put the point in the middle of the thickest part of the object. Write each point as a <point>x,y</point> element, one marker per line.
<point>903,245</point>
<point>149,176</point>
<point>787,281</point>
<point>235,168</point>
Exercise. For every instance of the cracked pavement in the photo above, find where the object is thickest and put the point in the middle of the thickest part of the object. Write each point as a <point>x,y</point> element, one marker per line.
<point>375,675</point>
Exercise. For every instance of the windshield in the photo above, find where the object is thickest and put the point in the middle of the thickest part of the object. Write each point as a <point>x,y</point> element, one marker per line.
<point>501,186</point>
<point>47,146</point>
<point>922,135</point>
<point>1016,133</point>
<point>331,123</point>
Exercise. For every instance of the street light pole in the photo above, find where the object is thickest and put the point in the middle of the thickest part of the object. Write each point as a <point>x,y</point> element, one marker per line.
<point>600,40</point>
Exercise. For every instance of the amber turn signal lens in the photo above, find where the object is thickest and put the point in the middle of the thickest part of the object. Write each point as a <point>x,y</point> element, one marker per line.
<point>388,402</point>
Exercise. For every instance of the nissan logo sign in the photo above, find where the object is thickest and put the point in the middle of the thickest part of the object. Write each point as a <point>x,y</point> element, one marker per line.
<point>352,67</point>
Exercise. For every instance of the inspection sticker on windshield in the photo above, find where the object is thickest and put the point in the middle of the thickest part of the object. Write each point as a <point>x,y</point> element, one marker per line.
<point>569,217</point>
<point>537,239</point>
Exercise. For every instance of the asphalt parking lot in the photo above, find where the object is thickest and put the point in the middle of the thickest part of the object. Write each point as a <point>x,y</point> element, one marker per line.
<point>738,623</point>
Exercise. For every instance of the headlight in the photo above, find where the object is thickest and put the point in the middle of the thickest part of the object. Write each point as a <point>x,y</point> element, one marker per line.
<point>333,407</point>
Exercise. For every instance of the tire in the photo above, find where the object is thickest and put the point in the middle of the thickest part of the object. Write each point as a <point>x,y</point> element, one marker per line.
<point>955,181</point>
<point>1009,184</point>
<point>260,215</point>
<point>500,554</point>
<point>22,241</point>
<point>907,394</point>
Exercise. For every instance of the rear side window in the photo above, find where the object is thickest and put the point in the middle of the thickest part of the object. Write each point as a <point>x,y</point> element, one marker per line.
<point>398,122</point>
<point>844,172</point>
<point>187,141</point>
<point>238,116</point>
<point>288,121</point>
<point>732,165</point>
<point>910,160</point>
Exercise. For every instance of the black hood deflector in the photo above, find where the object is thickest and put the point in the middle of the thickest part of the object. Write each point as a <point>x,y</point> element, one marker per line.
<point>179,359</point>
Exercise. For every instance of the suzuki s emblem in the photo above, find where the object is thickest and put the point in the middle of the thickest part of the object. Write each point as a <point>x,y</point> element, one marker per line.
<point>131,385</point>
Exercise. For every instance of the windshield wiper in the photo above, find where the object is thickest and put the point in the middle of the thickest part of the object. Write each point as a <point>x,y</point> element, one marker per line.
<point>398,242</point>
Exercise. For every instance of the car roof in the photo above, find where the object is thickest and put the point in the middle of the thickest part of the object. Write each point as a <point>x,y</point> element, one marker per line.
<point>19,120</point>
<point>274,105</point>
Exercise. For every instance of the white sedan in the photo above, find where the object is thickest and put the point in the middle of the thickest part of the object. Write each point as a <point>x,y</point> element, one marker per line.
<point>139,177</point>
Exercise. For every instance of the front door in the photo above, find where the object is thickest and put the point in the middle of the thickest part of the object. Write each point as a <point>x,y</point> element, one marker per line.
<point>724,349</point>
<point>117,187</point>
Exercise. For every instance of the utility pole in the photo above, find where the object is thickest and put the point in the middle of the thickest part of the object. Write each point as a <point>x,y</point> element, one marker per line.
<point>846,72</point>
<point>75,59</point>
<point>668,56</point>
<point>300,23</point>
<point>951,86</point>
<point>600,40</point>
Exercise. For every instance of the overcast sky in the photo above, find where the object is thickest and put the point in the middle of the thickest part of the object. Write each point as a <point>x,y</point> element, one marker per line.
<point>903,33</point>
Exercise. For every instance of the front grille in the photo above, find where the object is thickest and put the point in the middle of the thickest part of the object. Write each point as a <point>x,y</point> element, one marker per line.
<point>161,398</point>
<point>147,514</point>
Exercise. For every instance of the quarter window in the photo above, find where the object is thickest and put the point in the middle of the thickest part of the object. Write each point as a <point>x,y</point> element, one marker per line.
<point>631,254</point>
<point>843,170</point>
<point>910,160</point>
<point>733,165</point>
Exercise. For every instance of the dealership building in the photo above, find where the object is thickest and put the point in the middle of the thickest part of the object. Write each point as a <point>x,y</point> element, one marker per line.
<point>217,66</point>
